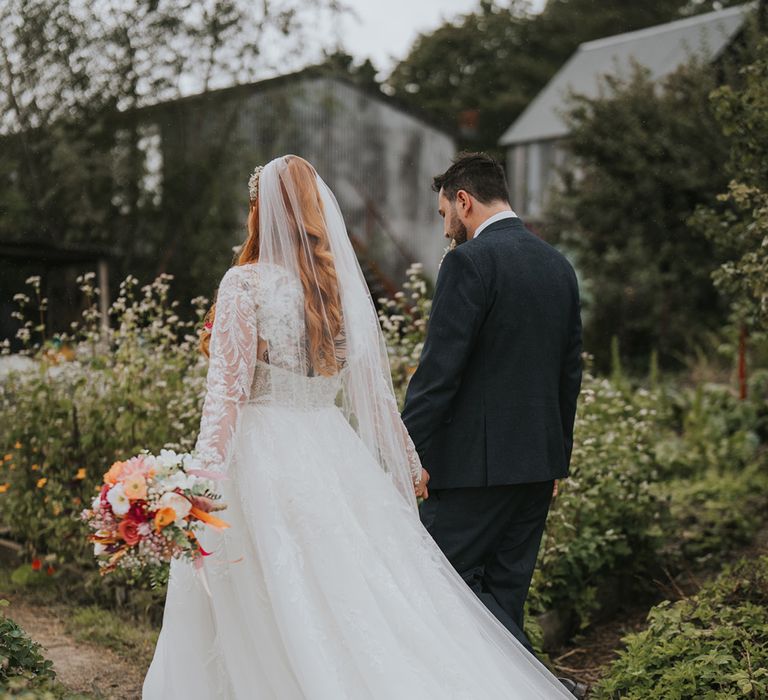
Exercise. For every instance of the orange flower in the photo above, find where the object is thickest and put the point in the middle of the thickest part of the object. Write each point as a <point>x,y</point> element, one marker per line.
<point>4,487</point>
<point>7,458</point>
<point>135,487</point>
<point>164,517</point>
<point>80,473</point>
<point>113,475</point>
<point>212,520</point>
<point>17,445</point>
<point>35,467</point>
<point>42,481</point>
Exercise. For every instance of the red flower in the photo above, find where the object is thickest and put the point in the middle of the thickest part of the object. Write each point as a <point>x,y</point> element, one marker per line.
<point>129,531</point>
<point>36,564</point>
<point>50,570</point>
<point>137,512</point>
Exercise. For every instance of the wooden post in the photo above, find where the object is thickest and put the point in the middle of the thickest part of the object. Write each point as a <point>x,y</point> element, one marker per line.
<point>104,295</point>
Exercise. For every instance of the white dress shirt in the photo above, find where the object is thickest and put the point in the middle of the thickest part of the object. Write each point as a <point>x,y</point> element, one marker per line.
<point>508,214</point>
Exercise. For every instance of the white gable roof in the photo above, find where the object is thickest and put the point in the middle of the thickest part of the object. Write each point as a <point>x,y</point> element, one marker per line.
<point>661,49</point>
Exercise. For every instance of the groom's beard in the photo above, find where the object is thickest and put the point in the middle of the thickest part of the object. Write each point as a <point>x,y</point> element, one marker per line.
<point>458,232</point>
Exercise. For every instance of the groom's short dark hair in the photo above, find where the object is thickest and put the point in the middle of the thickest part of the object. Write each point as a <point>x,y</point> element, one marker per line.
<point>477,173</point>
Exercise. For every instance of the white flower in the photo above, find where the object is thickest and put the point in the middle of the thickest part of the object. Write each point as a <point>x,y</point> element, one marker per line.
<point>179,503</point>
<point>144,529</point>
<point>96,503</point>
<point>118,500</point>
<point>168,458</point>
<point>99,548</point>
<point>193,462</point>
<point>177,480</point>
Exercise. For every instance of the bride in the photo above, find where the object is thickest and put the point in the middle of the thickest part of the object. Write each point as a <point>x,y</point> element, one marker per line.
<point>326,586</point>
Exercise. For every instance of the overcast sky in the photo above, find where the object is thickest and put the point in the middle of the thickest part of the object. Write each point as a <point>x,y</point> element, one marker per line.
<point>384,30</point>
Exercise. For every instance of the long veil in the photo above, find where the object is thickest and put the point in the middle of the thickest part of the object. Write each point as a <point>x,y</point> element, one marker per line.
<point>302,235</point>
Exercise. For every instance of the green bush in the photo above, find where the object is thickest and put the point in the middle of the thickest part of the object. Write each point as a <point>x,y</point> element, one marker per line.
<point>709,647</point>
<point>607,517</point>
<point>20,657</point>
<point>137,385</point>
<point>712,431</point>
<point>714,513</point>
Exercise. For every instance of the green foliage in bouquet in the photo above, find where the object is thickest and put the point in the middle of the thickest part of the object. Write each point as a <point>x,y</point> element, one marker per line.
<point>97,395</point>
<point>712,646</point>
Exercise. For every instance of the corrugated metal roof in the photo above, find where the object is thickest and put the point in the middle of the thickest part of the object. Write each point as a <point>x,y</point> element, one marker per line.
<point>661,49</point>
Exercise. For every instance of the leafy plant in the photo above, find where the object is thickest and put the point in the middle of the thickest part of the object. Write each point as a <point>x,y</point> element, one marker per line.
<point>19,655</point>
<point>714,513</point>
<point>711,646</point>
<point>97,395</point>
<point>739,223</point>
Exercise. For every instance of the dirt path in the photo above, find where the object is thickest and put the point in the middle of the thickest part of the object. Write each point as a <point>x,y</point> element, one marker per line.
<point>83,668</point>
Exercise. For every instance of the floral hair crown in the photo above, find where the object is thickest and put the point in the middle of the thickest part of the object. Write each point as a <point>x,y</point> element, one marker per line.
<point>253,183</point>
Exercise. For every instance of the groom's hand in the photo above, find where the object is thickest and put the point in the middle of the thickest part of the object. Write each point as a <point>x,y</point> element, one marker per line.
<point>555,489</point>
<point>421,488</point>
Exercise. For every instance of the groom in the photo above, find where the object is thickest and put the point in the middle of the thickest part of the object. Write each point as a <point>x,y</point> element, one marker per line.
<point>491,406</point>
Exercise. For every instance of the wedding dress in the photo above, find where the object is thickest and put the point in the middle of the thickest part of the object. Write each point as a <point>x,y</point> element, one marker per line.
<point>326,586</point>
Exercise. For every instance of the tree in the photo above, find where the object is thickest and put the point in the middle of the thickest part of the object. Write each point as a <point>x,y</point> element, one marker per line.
<point>496,59</point>
<point>739,224</point>
<point>646,155</point>
<point>364,73</point>
<point>74,158</point>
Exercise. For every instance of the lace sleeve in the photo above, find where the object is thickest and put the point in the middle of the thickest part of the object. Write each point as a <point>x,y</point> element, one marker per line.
<point>230,370</point>
<point>414,462</point>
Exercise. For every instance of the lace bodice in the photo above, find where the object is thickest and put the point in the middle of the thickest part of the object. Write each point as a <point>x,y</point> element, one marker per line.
<point>258,356</point>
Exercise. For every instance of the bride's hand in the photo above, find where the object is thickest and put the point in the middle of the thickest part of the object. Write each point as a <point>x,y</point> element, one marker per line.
<point>421,488</point>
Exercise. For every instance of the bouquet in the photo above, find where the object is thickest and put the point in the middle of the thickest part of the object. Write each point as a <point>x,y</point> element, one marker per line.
<point>149,511</point>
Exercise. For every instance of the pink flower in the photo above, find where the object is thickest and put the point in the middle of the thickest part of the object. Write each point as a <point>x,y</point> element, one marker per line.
<point>135,465</point>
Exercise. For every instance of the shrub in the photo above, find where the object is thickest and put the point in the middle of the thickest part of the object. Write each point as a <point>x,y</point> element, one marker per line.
<point>607,517</point>
<point>404,323</point>
<point>138,384</point>
<point>19,655</point>
<point>714,513</point>
<point>711,646</point>
<point>713,431</point>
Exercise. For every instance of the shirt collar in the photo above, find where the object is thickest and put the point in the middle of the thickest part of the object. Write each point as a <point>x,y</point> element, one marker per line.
<point>508,214</point>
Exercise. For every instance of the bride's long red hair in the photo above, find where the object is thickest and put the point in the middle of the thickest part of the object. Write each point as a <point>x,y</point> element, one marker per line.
<point>322,305</point>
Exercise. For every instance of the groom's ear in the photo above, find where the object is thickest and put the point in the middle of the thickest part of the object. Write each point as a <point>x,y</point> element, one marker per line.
<point>463,202</point>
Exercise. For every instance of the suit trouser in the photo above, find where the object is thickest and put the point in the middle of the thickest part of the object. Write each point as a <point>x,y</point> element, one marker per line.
<point>492,535</point>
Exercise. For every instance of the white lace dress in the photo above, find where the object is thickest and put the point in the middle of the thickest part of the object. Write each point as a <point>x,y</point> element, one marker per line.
<point>326,586</point>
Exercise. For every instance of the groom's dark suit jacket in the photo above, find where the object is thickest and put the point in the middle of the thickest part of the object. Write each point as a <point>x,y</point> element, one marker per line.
<point>494,397</point>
